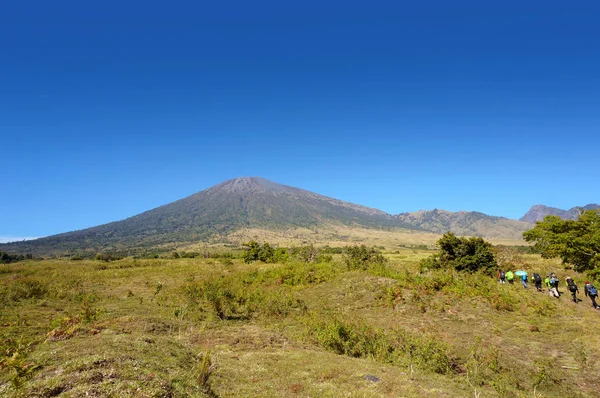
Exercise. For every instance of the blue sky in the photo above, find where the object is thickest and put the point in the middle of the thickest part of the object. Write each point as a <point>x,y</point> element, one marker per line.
<point>111,109</point>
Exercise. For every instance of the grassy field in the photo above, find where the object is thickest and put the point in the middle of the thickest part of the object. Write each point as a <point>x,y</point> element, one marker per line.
<point>219,327</point>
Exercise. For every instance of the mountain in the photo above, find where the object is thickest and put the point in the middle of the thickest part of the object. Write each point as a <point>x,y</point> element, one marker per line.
<point>252,202</point>
<point>538,212</point>
<point>219,210</point>
<point>465,223</point>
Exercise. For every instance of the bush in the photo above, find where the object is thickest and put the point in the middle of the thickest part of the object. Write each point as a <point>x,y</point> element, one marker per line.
<point>107,257</point>
<point>362,257</point>
<point>462,254</point>
<point>232,299</point>
<point>399,347</point>
<point>6,258</point>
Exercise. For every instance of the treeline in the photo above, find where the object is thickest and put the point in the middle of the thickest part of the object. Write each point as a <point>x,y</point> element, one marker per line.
<point>6,258</point>
<point>266,253</point>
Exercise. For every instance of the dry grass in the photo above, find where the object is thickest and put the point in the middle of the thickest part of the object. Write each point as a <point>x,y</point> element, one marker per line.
<point>340,235</point>
<point>133,339</point>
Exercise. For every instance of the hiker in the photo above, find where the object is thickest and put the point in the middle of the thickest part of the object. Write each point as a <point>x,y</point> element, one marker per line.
<point>556,280</point>
<point>510,277</point>
<point>592,293</point>
<point>572,288</point>
<point>551,283</point>
<point>524,280</point>
<point>537,279</point>
<point>502,276</point>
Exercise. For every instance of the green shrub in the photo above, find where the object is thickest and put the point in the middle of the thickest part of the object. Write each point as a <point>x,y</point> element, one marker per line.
<point>6,258</point>
<point>462,254</point>
<point>362,257</point>
<point>265,253</point>
<point>233,299</point>
<point>398,347</point>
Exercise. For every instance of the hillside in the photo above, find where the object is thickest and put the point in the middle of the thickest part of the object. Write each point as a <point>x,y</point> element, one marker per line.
<point>465,223</point>
<point>250,203</point>
<point>223,328</point>
<point>538,212</point>
<point>217,211</point>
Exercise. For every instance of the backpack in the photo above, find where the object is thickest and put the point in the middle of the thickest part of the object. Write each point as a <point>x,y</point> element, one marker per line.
<point>592,291</point>
<point>509,275</point>
<point>553,282</point>
<point>573,287</point>
<point>502,275</point>
<point>537,278</point>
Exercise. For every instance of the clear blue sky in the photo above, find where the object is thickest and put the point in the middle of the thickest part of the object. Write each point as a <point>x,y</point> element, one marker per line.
<point>108,109</point>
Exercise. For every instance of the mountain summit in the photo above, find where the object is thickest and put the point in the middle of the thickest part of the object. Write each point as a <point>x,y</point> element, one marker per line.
<point>219,210</point>
<point>253,202</point>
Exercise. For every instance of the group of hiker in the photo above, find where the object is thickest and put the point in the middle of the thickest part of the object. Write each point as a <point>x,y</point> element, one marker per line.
<point>551,282</point>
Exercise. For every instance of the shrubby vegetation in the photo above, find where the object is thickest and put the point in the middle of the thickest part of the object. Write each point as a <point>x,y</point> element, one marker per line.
<point>574,242</point>
<point>361,340</point>
<point>268,254</point>
<point>106,257</point>
<point>462,254</point>
<point>182,324</point>
<point>6,258</point>
<point>362,257</point>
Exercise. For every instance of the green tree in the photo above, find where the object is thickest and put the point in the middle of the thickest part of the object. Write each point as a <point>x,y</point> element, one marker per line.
<point>265,253</point>
<point>462,254</point>
<point>6,258</point>
<point>252,250</point>
<point>574,242</point>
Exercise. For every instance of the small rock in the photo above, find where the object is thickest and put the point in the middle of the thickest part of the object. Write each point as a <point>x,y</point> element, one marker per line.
<point>372,378</point>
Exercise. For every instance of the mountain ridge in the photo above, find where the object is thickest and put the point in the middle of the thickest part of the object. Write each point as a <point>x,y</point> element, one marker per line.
<point>538,212</point>
<point>215,212</point>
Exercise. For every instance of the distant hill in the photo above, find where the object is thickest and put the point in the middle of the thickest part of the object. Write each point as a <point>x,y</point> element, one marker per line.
<point>252,202</point>
<point>465,223</point>
<point>538,212</point>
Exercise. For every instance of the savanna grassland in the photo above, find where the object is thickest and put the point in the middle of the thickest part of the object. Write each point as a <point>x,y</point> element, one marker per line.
<point>209,327</point>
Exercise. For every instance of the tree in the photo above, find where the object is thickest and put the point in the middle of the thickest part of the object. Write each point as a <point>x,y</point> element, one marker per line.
<point>265,253</point>
<point>462,254</point>
<point>574,242</point>
<point>6,258</point>
<point>252,250</point>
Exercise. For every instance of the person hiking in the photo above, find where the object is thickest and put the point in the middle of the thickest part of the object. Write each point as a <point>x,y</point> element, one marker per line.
<point>510,277</point>
<point>572,288</point>
<point>502,276</point>
<point>556,282</point>
<point>592,293</point>
<point>551,284</point>
<point>537,279</point>
<point>524,280</point>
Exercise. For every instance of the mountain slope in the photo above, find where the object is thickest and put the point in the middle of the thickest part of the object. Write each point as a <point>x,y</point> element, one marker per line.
<point>253,202</point>
<point>465,223</point>
<point>538,212</point>
<point>219,210</point>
